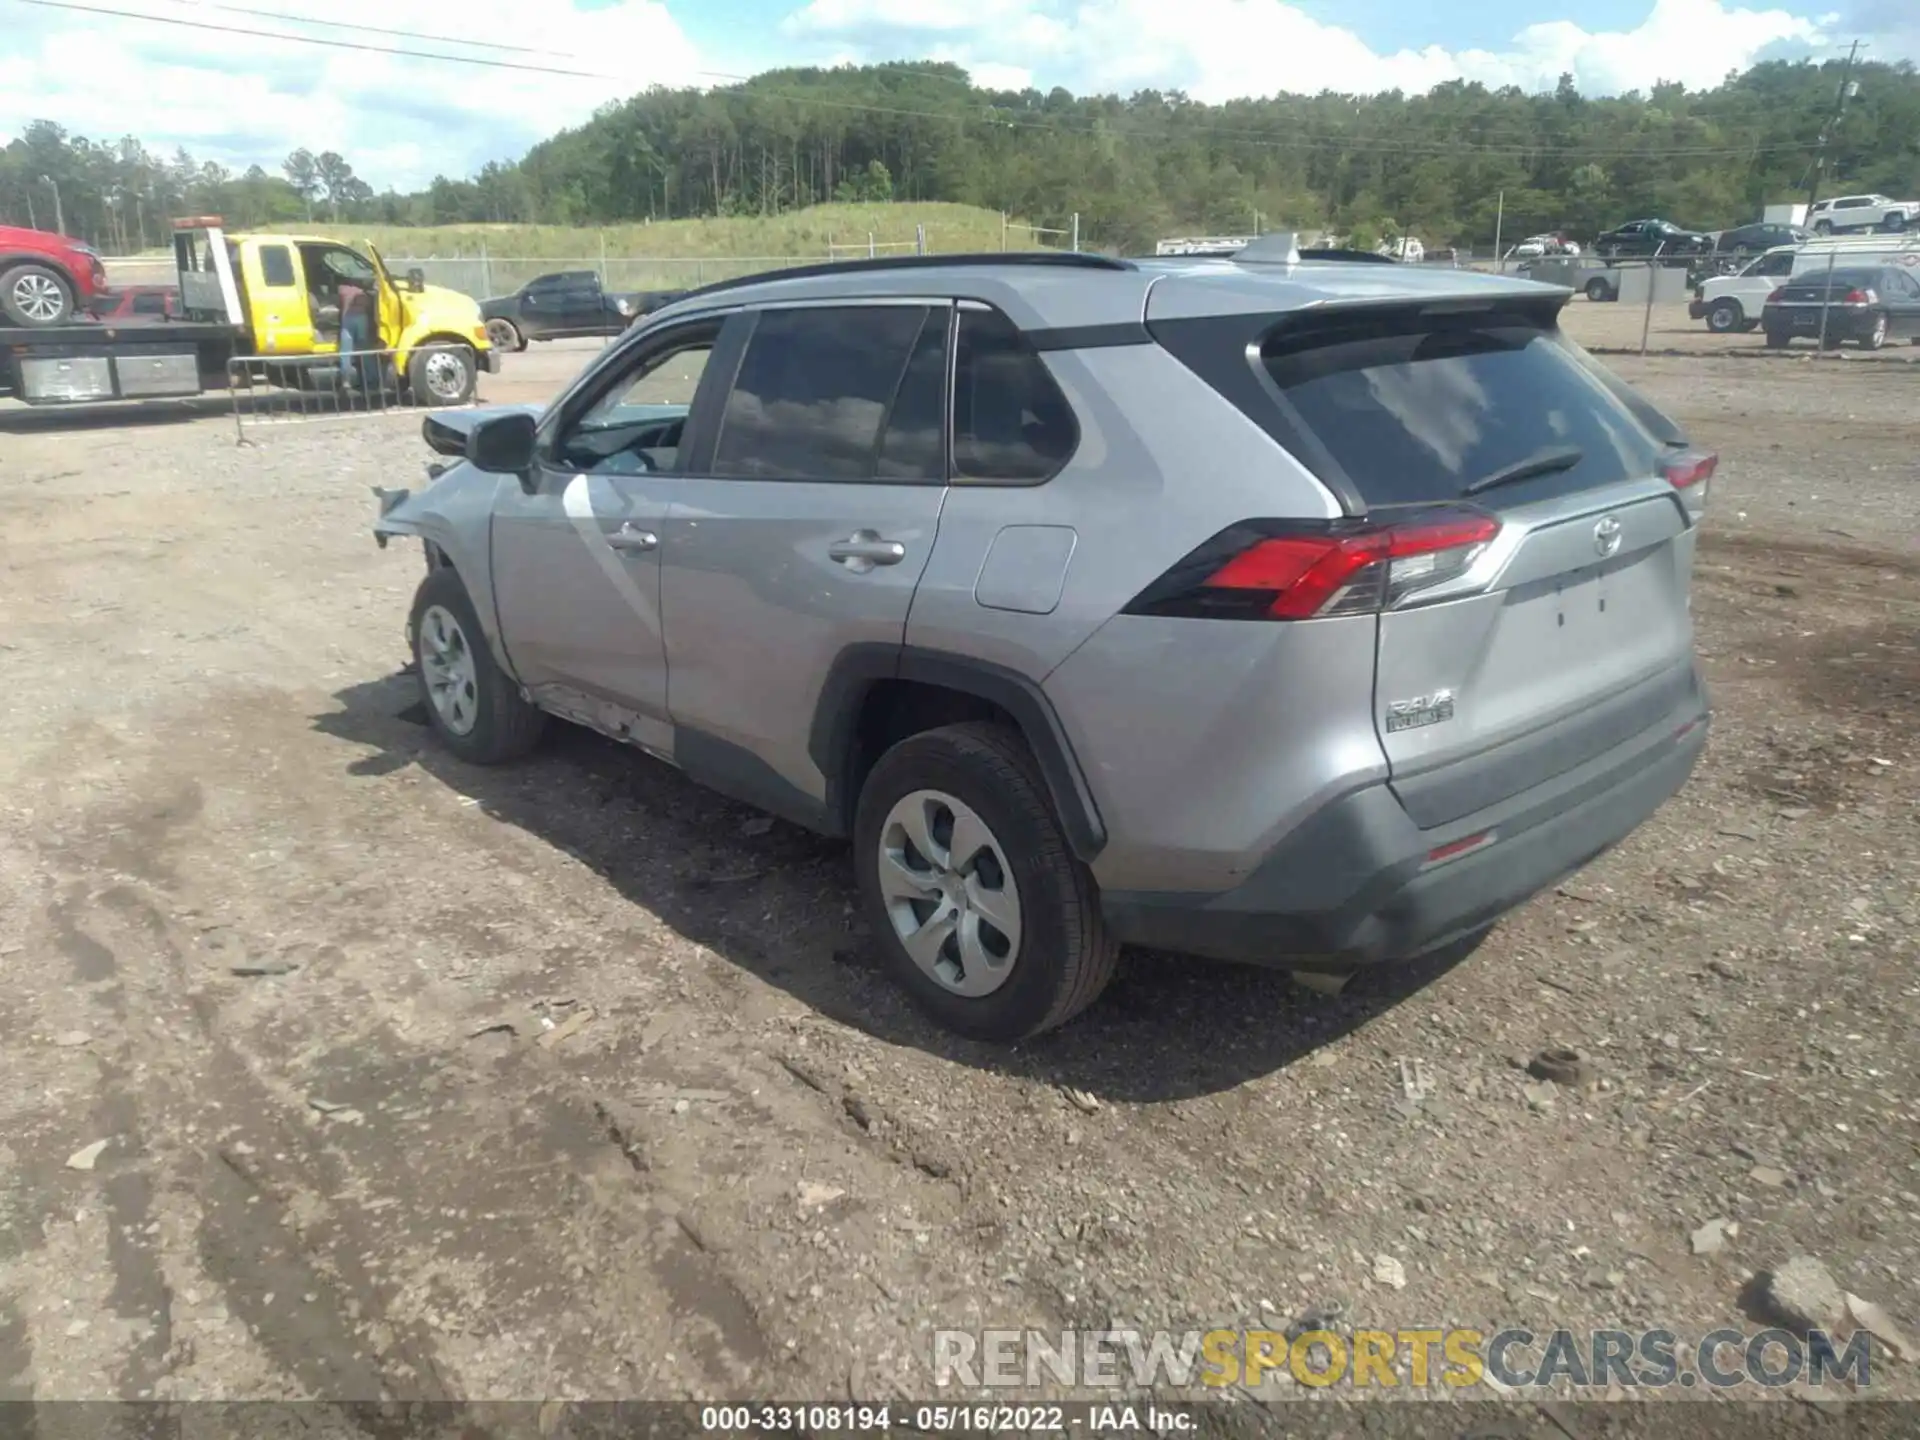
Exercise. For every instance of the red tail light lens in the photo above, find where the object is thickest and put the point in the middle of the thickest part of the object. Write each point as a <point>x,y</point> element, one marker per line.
<point>1860,297</point>
<point>1689,472</point>
<point>1777,296</point>
<point>1270,570</point>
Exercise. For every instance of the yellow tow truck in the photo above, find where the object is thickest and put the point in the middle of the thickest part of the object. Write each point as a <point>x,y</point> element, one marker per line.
<point>257,307</point>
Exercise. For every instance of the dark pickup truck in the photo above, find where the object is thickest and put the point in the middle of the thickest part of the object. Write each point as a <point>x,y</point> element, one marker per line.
<point>563,305</point>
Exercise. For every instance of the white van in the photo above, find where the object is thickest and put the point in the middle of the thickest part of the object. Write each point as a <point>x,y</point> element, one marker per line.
<point>1733,302</point>
<point>1901,250</point>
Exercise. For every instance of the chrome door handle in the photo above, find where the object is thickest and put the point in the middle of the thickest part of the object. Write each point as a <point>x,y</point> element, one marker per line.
<point>866,545</point>
<point>629,538</point>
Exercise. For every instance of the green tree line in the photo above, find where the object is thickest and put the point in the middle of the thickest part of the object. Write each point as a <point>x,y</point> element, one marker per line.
<point>1446,166</point>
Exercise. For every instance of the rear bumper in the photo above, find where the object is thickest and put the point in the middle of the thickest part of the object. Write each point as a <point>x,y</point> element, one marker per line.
<point>1354,885</point>
<point>1844,322</point>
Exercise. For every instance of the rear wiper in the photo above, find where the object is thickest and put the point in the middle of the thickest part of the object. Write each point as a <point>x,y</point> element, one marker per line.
<point>1541,462</point>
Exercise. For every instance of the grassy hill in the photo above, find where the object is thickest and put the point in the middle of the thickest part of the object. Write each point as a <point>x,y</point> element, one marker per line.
<point>673,254</point>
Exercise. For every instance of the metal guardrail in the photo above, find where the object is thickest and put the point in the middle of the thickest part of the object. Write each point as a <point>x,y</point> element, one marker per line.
<point>300,389</point>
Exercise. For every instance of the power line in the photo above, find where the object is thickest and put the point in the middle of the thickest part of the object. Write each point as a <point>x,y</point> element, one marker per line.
<point>996,116</point>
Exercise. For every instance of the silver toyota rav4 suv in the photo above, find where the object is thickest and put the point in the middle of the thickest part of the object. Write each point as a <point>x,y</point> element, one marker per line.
<point>1304,613</point>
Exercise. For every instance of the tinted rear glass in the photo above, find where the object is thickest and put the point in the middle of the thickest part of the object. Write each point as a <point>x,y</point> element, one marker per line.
<point>1414,408</point>
<point>1844,278</point>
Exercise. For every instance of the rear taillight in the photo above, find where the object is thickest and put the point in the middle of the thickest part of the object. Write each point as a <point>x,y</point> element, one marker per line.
<point>1777,296</point>
<point>1275,570</point>
<point>1860,297</point>
<point>1689,472</point>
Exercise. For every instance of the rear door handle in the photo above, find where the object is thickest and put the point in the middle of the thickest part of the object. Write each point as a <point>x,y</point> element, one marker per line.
<point>629,538</point>
<point>868,546</point>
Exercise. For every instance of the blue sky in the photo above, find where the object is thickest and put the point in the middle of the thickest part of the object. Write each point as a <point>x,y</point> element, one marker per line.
<point>240,98</point>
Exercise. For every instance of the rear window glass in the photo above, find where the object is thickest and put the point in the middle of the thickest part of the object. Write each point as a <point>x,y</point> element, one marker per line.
<point>276,265</point>
<point>1415,408</point>
<point>1848,278</point>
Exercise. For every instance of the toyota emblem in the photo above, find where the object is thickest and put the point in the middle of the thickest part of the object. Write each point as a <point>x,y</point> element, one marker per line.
<point>1606,536</point>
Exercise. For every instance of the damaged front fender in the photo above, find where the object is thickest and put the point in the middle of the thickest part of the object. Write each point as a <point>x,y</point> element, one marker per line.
<point>452,515</point>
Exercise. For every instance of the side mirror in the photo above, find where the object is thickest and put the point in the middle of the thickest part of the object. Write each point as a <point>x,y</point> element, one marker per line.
<point>503,445</point>
<point>416,280</point>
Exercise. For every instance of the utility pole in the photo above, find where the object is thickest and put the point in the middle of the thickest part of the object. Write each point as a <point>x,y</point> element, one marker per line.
<point>1844,93</point>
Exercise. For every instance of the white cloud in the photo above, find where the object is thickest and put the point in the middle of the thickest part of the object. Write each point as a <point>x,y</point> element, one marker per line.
<point>400,120</point>
<point>1223,49</point>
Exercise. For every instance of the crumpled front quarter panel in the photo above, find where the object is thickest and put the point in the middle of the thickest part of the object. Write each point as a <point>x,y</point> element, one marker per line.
<point>454,514</point>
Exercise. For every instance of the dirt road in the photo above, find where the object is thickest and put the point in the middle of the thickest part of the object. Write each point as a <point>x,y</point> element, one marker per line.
<point>331,1067</point>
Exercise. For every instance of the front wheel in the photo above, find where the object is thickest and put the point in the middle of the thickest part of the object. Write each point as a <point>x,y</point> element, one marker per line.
<point>473,706</point>
<point>1896,223</point>
<point>35,295</point>
<point>986,917</point>
<point>442,375</point>
<point>1598,290</point>
<point>1823,227</point>
<point>1876,336</point>
<point>1724,317</point>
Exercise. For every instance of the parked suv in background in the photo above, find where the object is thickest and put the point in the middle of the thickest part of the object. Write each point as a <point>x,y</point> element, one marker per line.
<point>1302,614</point>
<point>46,279</point>
<point>1862,212</point>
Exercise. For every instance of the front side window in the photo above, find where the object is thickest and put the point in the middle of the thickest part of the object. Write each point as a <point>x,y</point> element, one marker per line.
<point>343,266</point>
<point>635,427</point>
<point>1010,421</point>
<point>815,391</point>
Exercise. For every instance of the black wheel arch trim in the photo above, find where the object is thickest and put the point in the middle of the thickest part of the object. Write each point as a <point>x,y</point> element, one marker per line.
<point>858,668</point>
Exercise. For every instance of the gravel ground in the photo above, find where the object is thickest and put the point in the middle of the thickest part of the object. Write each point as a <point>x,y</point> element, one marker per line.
<point>571,1080</point>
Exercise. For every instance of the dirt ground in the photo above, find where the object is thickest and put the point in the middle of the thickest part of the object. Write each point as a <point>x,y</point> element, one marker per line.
<point>574,1080</point>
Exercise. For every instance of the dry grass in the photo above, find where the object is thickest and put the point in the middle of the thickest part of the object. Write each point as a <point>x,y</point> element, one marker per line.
<point>801,233</point>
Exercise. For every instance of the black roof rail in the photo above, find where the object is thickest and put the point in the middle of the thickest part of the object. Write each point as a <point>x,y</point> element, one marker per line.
<point>1369,257</point>
<point>1038,259</point>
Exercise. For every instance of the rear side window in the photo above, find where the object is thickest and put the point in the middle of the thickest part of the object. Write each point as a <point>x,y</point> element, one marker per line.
<point>814,391</point>
<point>1413,409</point>
<point>1010,421</point>
<point>276,265</point>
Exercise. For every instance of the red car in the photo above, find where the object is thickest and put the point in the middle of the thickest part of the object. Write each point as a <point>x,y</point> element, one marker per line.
<point>46,279</point>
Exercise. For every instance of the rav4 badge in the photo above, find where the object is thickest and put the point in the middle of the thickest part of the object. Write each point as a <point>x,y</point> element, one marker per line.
<point>1420,710</point>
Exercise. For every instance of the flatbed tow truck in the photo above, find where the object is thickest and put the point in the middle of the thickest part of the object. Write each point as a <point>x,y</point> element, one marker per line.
<point>256,309</point>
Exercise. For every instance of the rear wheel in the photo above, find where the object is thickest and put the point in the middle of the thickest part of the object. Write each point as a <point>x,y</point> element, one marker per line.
<point>505,335</point>
<point>1876,335</point>
<point>1777,339</point>
<point>986,917</point>
<point>1598,290</point>
<point>35,295</point>
<point>442,375</point>
<point>1724,316</point>
<point>472,705</point>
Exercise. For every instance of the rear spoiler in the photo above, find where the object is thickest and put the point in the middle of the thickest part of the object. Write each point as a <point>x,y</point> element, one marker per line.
<point>1281,247</point>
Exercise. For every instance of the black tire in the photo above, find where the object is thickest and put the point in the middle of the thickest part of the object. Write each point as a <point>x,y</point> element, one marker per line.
<point>1598,290</point>
<point>503,334</point>
<point>504,727</point>
<point>1778,339</point>
<point>1895,223</point>
<point>442,375</point>
<point>1065,956</point>
<point>1725,316</point>
<point>34,295</point>
<point>1823,227</point>
<point>1875,338</point>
